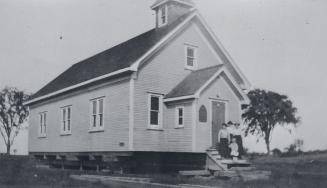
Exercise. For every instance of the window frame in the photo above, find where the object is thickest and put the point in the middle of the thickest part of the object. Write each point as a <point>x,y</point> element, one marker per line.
<point>177,117</point>
<point>195,57</point>
<point>42,128</point>
<point>97,115</point>
<point>64,121</point>
<point>160,111</point>
<point>161,15</point>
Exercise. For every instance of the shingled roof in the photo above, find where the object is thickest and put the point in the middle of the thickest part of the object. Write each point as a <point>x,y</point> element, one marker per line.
<point>193,82</point>
<point>111,60</point>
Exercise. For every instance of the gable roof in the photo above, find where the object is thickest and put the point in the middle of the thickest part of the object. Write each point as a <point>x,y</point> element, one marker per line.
<point>197,81</point>
<point>114,59</point>
<point>131,55</point>
<point>193,82</point>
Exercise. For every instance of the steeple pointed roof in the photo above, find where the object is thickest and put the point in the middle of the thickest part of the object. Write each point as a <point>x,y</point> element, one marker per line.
<point>185,2</point>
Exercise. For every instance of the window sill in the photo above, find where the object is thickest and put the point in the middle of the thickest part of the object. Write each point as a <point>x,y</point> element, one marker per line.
<point>65,134</point>
<point>154,129</point>
<point>42,136</point>
<point>96,130</point>
<point>179,127</point>
<point>190,68</point>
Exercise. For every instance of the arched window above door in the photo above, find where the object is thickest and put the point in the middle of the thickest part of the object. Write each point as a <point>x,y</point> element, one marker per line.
<point>203,114</point>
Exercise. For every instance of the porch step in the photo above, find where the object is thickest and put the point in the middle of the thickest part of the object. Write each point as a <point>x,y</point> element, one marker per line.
<point>228,161</point>
<point>195,173</point>
<point>216,163</point>
<point>249,168</point>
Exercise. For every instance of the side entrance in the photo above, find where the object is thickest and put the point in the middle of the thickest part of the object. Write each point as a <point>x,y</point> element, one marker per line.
<point>218,109</point>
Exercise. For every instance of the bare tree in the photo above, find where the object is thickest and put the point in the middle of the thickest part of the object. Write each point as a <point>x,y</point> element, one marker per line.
<point>13,114</point>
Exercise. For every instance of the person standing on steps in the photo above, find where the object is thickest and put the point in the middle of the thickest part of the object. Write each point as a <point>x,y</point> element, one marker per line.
<point>230,128</point>
<point>223,141</point>
<point>238,135</point>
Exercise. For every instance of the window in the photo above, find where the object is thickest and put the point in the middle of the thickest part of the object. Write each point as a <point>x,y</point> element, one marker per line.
<point>163,15</point>
<point>203,114</point>
<point>66,113</point>
<point>97,111</point>
<point>190,57</point>
<point>155,111</point>
<point>43,124</point>
<point>179,117</point>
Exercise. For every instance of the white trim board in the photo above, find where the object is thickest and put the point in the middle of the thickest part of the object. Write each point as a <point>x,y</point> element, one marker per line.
<point>79,85</point>
<point>210,114</point>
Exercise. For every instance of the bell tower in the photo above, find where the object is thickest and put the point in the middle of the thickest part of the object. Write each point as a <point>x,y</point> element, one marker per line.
<point>167,11</point>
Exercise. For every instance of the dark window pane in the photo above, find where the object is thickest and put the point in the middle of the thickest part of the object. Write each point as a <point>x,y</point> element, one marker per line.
<point>41,123</point>
<point>100,106</point>
<point>68,125</point>
<point>68,113</point>
<point>190,61</point>
<point>154,120</point>
<point>203,114</point>
<point>94,106</point>
<point>180,112</point>
<point>63,114</point>
<point>101,119</point>
<point>94,120</point>
<point>190,52</point>
<point>154,103</point>
<point>180,121</point>
<point>64,124</point>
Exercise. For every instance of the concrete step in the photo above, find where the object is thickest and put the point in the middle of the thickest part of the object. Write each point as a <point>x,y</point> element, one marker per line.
<point>249,168</point>
<point>195,173</point>
<point>229,161</point>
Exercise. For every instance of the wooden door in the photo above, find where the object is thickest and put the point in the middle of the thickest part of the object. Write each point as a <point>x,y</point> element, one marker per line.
<point>218,118</point>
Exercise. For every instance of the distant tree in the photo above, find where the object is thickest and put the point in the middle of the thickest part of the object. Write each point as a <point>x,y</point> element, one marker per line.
<point>266,110</point>
<point>276,152</point>
<point>13,114</point>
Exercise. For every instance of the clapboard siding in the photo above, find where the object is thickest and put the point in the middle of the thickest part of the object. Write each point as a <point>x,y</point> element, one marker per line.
<point>160,75</point>
<point>179,139</point>
<point>221,88</point>
<point>115,121</point>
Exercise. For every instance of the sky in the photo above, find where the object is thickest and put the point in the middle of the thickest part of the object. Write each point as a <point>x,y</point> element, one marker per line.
<point>280,45</point>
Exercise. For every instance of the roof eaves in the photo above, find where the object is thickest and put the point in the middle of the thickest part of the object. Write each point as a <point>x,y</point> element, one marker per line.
<point>78,85</point>
<point>180,98</point>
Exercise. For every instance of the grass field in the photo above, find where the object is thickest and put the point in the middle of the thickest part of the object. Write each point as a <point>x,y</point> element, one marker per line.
<point>296,172</point>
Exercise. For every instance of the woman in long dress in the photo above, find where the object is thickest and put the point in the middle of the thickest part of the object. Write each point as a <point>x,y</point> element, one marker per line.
<point>238,135</point>
<point>223,141</point>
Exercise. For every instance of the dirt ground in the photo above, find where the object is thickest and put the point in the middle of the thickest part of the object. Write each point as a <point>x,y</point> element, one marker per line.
<point>304,171</point>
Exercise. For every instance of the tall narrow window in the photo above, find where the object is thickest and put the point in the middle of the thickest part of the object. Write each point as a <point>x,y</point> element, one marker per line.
<point>179,117</point>
<point>100,112</point>
<point>155,111</point>
<point>66,120</point>
<point>203,114</point>
<point>43,124</point>
<point>191,57</point>
<point>97,111</point>
<point>163,15</point>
